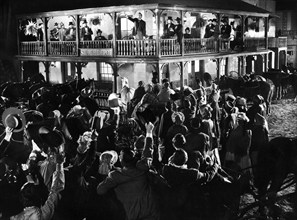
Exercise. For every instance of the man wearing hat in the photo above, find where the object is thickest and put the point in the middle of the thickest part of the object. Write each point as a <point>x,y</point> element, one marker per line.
<point>130,182</point>
<point>169,28</point>
<point>178,30</point>
<point>86,32</point>
<point>54,33</point>
<point>71,32</point>
<point>99,35</point>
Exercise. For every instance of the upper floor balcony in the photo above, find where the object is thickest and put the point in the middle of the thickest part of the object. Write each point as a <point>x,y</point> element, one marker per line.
<point>138,32</point>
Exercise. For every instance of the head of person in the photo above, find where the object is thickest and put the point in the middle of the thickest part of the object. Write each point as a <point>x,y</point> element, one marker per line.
<point>141,83</point>
<point>139,144</point>
<point>71,24</point>
<point>195,123</point>
<point>30,195</point>
<point>187,30</point>
<point>178,20</point>
<point>179,158</point>
<point>148,88</point>
<point>169,20</point>
<point>99,32</point>
<point>178,118</point>
<point>139,16</point>
<point>127,157</point>
<point>179,141</point>
<point>85,23</point>
<point>166,85</point>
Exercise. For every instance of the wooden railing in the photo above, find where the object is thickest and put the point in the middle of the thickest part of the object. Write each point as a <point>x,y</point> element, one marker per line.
<point>254,43</point>
<point>136,47</point>
<point>96,44</point>
<point>198,45</point>
<point>277,42</point>
<point>32,48</point>
<point>169,47</point>
<point>142,48</point>
<point>62,48</point>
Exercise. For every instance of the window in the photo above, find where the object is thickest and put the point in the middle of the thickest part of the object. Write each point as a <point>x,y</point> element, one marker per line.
<point>106,72</point>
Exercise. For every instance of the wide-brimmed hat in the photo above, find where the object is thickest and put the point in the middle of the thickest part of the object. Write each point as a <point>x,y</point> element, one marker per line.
<point>14,118</point>
<point>114,156</point>
<point>170,18</point>
<point>178,19</point>
<point>52,138</point>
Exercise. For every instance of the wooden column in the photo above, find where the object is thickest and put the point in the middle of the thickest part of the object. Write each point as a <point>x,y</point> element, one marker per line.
<point>115,75</point>
<point>218,63</point>
<point>226,66</point>
<point>114,40</point>
<point>77,34</point>
<point>158,46</point>
<point>78,70</point>
<point>266,33</point>
<point>47,65</point>
<point>182,40</point>
<point>45,40</point>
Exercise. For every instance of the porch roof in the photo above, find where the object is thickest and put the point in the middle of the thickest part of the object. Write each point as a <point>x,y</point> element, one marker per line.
<point>212,6</point>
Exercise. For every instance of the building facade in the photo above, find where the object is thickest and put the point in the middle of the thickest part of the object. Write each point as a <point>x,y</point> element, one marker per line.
<point>178,41</point>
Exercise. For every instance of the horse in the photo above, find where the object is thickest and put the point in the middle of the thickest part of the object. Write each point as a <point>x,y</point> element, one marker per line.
<point>276,161</point>
<point>279,79</point>
<point>249,89</point>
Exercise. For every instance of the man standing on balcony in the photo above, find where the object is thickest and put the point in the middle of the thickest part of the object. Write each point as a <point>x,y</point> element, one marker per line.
<point>178,30</point>
<point>169,28</point>
<point>71,32</point>
<point>139,29</point>
<point>62,32</point>
<point>86,32</point>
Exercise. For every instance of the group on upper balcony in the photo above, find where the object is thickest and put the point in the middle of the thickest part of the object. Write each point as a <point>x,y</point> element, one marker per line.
<point>136,33</point>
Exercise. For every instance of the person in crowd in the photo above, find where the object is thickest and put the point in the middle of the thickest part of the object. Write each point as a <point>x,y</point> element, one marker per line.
<point>86,32</point>
<point>99,35</point>
<point>225,29</point>
<point>209,29</point>
<point>164,94</point>
<point>130,182</point>
<point>139,93</point>
<point>166,120</point>
<point>187,33</point>
<point>139,29</point>
<point>71,32</point>
<point>257,108</point>
<point>30,195</point>
<point>178,119</point>
<point>238,145</point>
<point>259,137</point>
<point>40,32</point>
<point>178,29</point>
<point>169,28</point>
<point>54,33</point>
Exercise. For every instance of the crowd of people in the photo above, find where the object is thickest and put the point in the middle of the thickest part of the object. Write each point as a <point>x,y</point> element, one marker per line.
<point>173,152</point>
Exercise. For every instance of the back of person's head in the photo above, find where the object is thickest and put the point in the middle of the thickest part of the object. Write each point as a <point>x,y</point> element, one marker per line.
<point>179,140</point>
<point>30,195</point>
<point>148,88</point>
<point>187,104</point>
<point>127,157</point>
<point>195,123</point>
<point>179,158</point>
